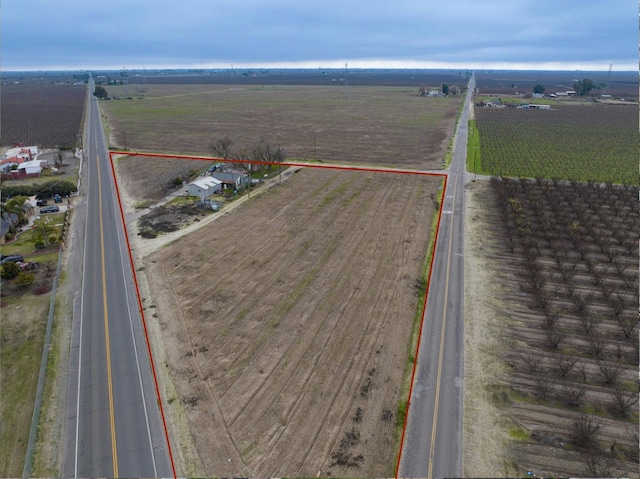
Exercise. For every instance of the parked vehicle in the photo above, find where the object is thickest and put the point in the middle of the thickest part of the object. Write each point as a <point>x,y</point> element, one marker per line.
<point>41,202</point>
<point>57,198</point>
<point>50,209</point>
<point>12,258</point>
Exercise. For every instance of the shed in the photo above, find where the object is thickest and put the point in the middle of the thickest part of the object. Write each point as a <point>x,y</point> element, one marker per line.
<point>204,187</point>
<point>231,180</point>
<point>33,167</point>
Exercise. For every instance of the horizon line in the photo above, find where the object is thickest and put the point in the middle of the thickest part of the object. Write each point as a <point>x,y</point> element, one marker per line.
<point>342,64</point>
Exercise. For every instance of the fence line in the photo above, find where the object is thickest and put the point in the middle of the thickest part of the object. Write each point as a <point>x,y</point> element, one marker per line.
<point>35,419</point>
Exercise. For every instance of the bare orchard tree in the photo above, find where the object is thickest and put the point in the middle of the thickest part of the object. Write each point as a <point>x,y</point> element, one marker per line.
<point>610,371</point>
<point>624,402</point>
<point>585,432</point>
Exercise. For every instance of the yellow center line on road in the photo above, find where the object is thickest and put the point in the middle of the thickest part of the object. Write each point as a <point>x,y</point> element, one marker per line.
<point>114,449</point>
<point>442,331</point>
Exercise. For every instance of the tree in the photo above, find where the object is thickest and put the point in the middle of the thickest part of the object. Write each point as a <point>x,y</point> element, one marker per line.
<point>43,232</point>
<point>14,212</point>
<point>538,89</point>
<point>9,270</point>
<point>583,87</point>
<point>100,92</point>
<point>445,89</point>
<point>221,147</point>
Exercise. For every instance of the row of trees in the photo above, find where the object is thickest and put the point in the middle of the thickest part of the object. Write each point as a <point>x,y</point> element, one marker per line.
<point>423,90</point>
<point>257,157</point>
<point>582,87</point>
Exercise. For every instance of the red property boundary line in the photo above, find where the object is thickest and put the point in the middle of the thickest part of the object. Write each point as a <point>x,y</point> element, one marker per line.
<point>114,153</point>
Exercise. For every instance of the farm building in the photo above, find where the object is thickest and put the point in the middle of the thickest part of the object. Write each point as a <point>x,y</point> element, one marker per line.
<point>231,180</point>
<point>534,106</point>
<point>9,162</point>
<point>26,153</point>
<point>204,187</point>
<point>33,167</point>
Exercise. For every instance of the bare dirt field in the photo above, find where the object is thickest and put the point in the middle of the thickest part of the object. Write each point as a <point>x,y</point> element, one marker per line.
<point>366,125</point>
<point>286,325</point>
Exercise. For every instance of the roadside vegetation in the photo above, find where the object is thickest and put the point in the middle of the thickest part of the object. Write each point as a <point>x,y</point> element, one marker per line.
<point>24,301</point>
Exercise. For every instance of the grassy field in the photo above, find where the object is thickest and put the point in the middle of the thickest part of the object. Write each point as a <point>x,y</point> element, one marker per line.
<point>584,142</point>
<point>370,125</point>
<point>21,340</point>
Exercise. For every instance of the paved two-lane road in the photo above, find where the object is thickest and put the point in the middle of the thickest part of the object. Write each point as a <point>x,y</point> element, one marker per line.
<point>113,425</point>
<point>433,439</point>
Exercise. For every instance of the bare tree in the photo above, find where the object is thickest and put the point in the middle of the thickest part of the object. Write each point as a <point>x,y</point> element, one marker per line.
<point>597,342</point>
<point>628,324</point>
<point>624,402</point>
<point>554,338</point>
<point>585,432</point>
<point>581,301</point>
<point>566,364</point>
<point>221,147</point>
<point>610,371</point>
<point>533,361</point>
<point>589,322</point>
<point>573,395</point>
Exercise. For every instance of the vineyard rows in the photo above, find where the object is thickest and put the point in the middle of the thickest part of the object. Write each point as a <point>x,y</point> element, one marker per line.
<point>48,116</point>
<point>570,142</point>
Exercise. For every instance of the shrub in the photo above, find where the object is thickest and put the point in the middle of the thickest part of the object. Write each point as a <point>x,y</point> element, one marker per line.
<point>9,270</point>
<point>25,279</point>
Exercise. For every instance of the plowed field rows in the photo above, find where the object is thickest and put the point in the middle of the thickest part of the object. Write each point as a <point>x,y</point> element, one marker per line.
<point>287,324</point>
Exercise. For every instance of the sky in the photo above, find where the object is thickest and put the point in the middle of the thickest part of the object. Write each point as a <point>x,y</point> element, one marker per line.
<point>471,34</point>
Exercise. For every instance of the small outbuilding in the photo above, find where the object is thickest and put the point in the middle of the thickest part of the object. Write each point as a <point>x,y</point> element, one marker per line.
<point>204,187</point>
<point>33,167</point>
<point>231,180</point>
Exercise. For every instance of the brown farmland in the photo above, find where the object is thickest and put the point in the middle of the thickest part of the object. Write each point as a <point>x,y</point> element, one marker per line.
<point>366,125</point>
<point>286,324</point>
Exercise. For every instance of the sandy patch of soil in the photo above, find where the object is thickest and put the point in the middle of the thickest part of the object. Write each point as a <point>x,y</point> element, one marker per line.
<point>485,431</point>
<point>285,325</point>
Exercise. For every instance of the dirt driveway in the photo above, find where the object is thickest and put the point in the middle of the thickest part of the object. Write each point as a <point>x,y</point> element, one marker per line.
<point>285,326</point>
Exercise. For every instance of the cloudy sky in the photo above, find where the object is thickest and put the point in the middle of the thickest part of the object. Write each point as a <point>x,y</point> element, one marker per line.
<point>539,34</point>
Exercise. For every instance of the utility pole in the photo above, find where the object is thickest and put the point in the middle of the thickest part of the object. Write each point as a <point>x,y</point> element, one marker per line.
<point>475,162</point>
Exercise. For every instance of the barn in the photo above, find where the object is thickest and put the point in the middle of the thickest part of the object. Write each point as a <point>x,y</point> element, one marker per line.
<point>204,187</point>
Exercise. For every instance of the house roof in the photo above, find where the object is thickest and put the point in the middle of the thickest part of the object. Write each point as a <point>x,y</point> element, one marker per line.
<point>13,159</point>
<point>30,164</point>
<point>226,177</point>
<point>206,182</point>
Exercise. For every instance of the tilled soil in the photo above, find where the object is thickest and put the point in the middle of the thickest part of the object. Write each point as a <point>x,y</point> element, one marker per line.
<point>286,324</point>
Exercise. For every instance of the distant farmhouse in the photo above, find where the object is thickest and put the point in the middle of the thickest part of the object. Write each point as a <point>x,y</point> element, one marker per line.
<point>21,162</point>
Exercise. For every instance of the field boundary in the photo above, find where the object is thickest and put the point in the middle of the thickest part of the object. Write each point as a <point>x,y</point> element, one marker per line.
<point>113,154</point>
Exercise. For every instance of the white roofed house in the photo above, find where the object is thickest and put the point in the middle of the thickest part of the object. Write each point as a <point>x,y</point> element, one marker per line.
<point>33,167</point>
<point>204,187</point>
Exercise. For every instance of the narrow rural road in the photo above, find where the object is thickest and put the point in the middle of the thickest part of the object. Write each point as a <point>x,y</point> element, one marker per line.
<point>113,423</point>
<point>433,439</point>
